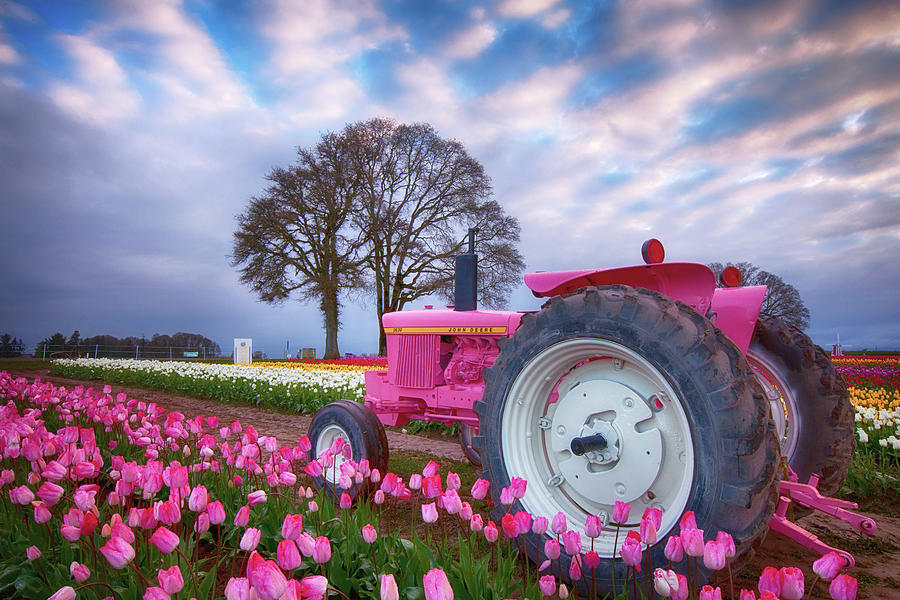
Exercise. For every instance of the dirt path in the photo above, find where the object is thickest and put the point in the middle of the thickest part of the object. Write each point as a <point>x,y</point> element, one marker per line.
<point>286,428</point>
<point>877,556</point>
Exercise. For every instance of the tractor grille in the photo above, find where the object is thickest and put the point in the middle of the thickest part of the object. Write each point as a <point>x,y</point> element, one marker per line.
<point>416,359</point>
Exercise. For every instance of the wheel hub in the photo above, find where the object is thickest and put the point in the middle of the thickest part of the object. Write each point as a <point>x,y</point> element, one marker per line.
<point>625,467</point>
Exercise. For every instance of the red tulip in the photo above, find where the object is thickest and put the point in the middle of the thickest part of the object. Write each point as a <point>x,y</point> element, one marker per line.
<point>791,583</point>
<point>164,540</point>
<point>118,552</point>
<point>388,589</point>
<point>592,560</point>
<point>508,523</point>
<point>768,596</point>
<point>322,550</point>
<point>437,586</point>
<point>829,566</point>
<point>843,587</point>
<point>170,580</point>
<point>748,595</point>
<point>770,581</point>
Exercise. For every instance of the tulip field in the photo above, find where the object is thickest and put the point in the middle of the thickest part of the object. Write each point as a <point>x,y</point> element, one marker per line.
<point>106,496</point>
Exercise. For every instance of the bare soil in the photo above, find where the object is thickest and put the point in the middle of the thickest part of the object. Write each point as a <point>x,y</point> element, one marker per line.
<point>877,556</point>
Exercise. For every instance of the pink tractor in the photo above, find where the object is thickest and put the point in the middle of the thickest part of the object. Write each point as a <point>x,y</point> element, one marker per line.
<point>646,385</point>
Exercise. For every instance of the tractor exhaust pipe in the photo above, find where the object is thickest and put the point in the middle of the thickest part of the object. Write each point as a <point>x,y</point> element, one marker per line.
<point>465,279</point>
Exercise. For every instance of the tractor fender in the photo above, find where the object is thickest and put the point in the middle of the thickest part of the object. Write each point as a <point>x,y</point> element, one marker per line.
<point>736,311</point>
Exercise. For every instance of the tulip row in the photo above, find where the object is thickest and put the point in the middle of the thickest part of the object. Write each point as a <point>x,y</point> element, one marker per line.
<point>97,484</point>
<point>293,390</point>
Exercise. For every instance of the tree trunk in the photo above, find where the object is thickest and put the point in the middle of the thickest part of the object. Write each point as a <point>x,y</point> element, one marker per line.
<point>330,314</point>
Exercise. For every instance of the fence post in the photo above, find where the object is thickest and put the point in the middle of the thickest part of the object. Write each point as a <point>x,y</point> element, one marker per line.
<point>96,349</point>
<point>170,352</point>
<point>135,352</point>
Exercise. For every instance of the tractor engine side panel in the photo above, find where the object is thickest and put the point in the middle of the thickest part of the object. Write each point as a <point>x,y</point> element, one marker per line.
<point>435,360</point>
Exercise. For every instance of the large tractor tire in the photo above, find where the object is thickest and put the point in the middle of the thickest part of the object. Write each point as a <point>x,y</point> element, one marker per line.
<point>809,400</point>
<point>621,394</point>
<point>361,429</point>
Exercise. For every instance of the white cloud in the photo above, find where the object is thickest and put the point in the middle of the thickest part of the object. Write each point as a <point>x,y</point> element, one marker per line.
<point>102,91</point>
<point>471,42</point>
<point>8,54</point>
<point>524,8</point>
<point>556,18</point>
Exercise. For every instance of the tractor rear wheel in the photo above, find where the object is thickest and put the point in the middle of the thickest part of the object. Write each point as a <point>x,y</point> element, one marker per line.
<point>621,394</point>
<point>466,433</point>
<point>809,400</point>
<point>358,426</point>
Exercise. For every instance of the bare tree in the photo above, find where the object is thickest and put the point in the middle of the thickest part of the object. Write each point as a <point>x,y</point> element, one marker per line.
<point>782,299</point>
<point>418,195</point>
<point>297,237</point>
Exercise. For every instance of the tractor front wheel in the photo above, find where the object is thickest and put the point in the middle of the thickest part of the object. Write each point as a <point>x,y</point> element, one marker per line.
<point>615,394</point>
<point>358,426</point>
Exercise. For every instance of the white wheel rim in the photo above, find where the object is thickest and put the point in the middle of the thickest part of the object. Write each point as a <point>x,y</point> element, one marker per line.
<point>328,436</point>
<point>782,401</point>
<point>650,460</point>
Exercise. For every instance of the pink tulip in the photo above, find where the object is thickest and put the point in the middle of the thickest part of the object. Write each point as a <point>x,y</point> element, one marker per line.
<point>388,589</point>
<point>829,566</point>
<point>84,470</point>
<point>63,593</point>
<point>791,583</point>
<point>164,540</point>
<point>466,512</point>
<point>216,512</point>
<point>547,585</point>
<point>453,482</point>
<point>369,534</point>
<point>620,512</point>
<point>307,544</point>
<point>257,497</point>
<point>268,581</point>
<point>53,471</point>
<point>768,596</point>
<point>32,553</point>
<point>517,487</point>
<point>727,542</point>
<point>170,580</point>
<point>70,532</point>
<point>843,587</point>
<point>429,513</point>
<point>21,495</point>
<point>674,550</point>
<point>250,539</point>
<point>508,524</point>
<point>748,595</point>
<point>491,533</point>
<point>198,499</point>
<point>313,468</point>
<point>592,560</point>
<point>710,593</point>
<point>713,556</point>
<point>415,481</point>
<point>558,524</point>
<point>50,493</point>
<point>118,552</point>
<point>631,553</point>
<point>288,555</point>
<point>313,587</point>
<point>523,521</point>
<point>452,501</point>
<point>683,591</point>
<point>688,521</point>
<point>437,586</point>
<point>648,531</point>
<point>575,568</point>
<point>476,523</point>
<point>665,582</point>
<point>292,526</point>
<point>322,550</point>
<point>167,512</point>
<point>430,469</point>
<point>592,526</point>
<point>654,515</point>
<point>480,489</point>
<point>42,514</point>
<point>692,541</point>
<point>572,542</point>
<point>770,581</point>
<point>563,591</point>
<point>506,497</point>
<point>379,497</point>
<point>552,549</point>
<point>540,525</point>
<point>84,499</point>
<point>431,486</point>
<point>242,518</point>
<point>202,523</point>
<point>79,571</point>
<point>346,501</point>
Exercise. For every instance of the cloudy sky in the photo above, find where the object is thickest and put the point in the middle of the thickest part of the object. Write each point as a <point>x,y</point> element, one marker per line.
<point>133,132</point>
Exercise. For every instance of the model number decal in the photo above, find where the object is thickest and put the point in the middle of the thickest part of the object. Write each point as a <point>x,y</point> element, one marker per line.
<point>445,329</point>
